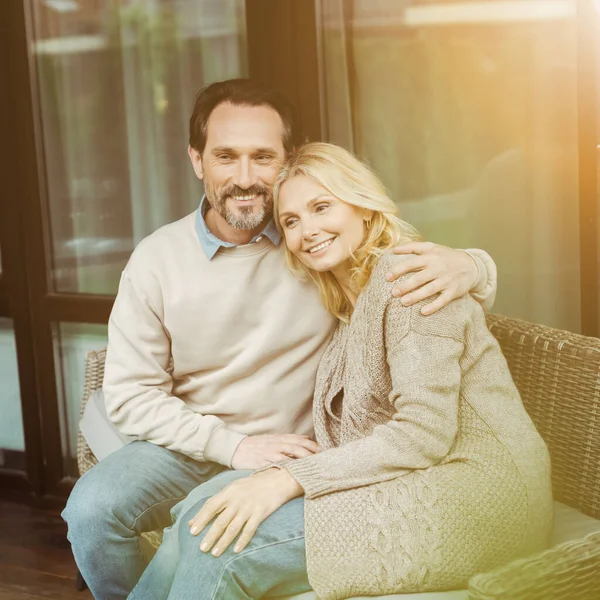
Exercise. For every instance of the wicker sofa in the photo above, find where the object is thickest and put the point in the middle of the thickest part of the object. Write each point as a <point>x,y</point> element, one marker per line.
<point>558,375</point>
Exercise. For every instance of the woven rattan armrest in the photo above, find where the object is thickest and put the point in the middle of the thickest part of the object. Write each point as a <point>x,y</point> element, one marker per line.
<point>558,376</point>
<point>570,571</point>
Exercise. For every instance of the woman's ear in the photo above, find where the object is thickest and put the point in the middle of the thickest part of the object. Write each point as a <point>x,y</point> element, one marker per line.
<point>368,216</point>
<point>196,160</point>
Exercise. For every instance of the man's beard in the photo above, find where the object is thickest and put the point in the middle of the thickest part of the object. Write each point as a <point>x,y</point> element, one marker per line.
<point>244,218</point>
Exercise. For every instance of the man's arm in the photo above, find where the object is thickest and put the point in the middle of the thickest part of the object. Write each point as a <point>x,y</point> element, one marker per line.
<point>445,272</point>
<point>139,400</point>
<point>138,384</point>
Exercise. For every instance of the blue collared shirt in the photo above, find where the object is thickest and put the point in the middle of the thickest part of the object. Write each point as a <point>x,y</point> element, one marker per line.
<point>211,243</point>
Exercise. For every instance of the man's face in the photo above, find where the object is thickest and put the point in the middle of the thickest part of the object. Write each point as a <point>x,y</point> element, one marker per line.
<point>244,151</point>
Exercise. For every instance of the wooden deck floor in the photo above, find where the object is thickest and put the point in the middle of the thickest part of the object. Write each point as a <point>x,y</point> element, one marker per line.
<point>35,556</point>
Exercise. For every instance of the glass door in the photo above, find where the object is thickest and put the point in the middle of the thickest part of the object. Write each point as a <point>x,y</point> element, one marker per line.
<point>100,95</point>
<point>480,117</point>
<point>95,105</point>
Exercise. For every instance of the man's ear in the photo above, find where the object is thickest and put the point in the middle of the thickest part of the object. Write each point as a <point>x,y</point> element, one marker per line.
<point>196,160</point>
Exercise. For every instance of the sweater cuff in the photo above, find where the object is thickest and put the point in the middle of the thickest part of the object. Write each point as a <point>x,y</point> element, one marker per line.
<point>484,291</point>
<point>307,472</point>
<point>481,280</point>
<point>221,445</point>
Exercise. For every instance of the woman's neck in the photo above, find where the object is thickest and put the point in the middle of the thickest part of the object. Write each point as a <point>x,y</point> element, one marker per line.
<point>342,276</point>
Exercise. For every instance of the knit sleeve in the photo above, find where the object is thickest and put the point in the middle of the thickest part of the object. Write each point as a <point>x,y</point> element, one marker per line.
<point>138,384</point>
<point>425,372</point>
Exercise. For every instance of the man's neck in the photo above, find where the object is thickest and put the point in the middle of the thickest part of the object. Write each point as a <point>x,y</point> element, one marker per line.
<point>222,230</point>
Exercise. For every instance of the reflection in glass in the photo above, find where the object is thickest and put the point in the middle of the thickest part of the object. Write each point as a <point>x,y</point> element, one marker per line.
<point>12,442</point>
<point>468,111</point>
<point>72,342</point>
<point>116,82</point>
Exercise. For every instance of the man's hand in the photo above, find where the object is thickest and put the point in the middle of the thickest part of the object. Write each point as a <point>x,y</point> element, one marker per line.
<point>257,451</point>
<point>242,506</point>
<point>437,270</point>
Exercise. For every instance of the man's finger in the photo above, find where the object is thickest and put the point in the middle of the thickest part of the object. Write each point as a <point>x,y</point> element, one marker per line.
<point>293,438</point>
<point>229,535</point>
<point>247,534</point>
<point>309,445</point>
<point>417,280</point>
<point>413,248</point>
<point>297,440</point>
<point>276,457</point>
<point>442,300</point>
<point>412,263</point>
<point>296,451</point>
<point>424,292</point>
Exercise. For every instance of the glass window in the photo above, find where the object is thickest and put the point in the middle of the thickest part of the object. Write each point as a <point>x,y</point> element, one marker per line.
<point>72,342</point>
<point>116,84</point>
<point>12,443</point>
<point>468,112</point>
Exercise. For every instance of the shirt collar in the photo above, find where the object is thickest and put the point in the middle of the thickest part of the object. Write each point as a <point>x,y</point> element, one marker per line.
<point>211,243</point>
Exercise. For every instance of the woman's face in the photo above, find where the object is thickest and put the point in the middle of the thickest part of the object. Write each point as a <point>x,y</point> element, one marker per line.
<point>319,229</point>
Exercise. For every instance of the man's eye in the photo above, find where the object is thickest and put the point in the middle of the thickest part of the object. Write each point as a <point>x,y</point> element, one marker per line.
<point>224,157</point>
<point>263,158</point>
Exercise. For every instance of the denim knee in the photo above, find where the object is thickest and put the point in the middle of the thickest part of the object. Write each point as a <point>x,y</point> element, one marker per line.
<point>90,506</point>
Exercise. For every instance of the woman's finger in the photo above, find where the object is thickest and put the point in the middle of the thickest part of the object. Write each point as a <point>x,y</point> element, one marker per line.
<point>218,528</point>
<point>229,535</point>
<point>207,513</point>
<point>248,533</point>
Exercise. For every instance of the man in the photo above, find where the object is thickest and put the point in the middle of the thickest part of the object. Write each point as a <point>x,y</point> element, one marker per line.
<point>213,343</point>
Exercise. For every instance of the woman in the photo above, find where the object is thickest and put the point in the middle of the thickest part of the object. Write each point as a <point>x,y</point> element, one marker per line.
<point>429,468</point>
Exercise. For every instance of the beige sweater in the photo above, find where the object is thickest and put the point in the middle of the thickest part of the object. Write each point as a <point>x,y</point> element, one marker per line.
<point>431,469</point>
<point>203,352</point>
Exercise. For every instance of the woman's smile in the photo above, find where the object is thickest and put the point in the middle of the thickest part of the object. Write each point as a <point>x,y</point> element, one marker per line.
<point>320,248</point>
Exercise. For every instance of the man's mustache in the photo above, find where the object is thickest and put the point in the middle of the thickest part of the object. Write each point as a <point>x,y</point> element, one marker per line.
<point>253,190</point>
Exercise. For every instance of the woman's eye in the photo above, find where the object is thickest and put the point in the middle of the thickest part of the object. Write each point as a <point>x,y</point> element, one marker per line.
<point>321,207</point>
<point>290,223</point>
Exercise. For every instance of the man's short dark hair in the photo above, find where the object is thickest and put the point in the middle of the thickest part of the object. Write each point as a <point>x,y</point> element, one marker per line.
<point>241,92</point>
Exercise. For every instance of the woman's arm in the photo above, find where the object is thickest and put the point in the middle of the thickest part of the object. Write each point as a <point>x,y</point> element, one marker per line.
<point>426,375</point>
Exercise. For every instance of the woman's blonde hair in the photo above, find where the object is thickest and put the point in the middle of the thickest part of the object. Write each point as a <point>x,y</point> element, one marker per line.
<point>351,181</point>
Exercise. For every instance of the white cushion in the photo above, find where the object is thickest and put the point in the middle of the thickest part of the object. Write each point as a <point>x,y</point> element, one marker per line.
<point>458,595</point>
<point>100,434</point>
<point>569,524</point>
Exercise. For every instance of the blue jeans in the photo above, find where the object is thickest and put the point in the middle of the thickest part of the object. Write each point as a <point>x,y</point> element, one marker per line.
<point>129,492</point>
<point>273,563</point>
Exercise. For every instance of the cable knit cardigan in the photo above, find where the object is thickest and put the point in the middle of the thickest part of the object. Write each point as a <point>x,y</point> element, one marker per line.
<point>430,469</point>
